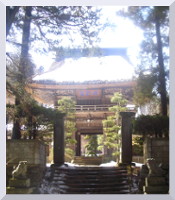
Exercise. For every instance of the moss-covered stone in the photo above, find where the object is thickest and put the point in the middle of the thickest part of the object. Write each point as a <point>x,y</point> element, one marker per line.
<point>19,183</point>
<point>13,190</point>
<point>156,189</point>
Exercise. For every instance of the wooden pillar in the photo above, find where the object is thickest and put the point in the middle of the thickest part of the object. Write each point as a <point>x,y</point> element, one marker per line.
<point>126,137</point>
<point>59,141</point>
<point>78,145</point>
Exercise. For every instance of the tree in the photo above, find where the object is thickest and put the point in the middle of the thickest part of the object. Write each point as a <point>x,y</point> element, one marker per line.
<point>11,12</point>
<point>52,24</point>
<point>153,57</point>
<point>36,120</point>
<point>111,139</point>
<point>144,90</point>
<point>67,106</point>
<point>137,146</point>
<point>92,145</point>
<point>151,126</point>
<point>42,24</point>
<point>23,67</point>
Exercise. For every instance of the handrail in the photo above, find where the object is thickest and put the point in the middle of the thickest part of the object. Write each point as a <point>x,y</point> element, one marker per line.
<point>90,107</point>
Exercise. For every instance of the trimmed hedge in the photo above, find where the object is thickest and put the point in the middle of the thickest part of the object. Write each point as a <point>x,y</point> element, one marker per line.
<point>151,125</point>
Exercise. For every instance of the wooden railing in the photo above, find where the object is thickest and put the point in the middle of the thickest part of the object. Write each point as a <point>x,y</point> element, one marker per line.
<point>92,107</point>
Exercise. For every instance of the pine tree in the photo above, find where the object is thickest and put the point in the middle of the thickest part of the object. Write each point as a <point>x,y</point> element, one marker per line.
<point>67,106</point>
<point>92,145</point>
<point>111,139</point>
<point>154,21</point>
<point>44,24</point>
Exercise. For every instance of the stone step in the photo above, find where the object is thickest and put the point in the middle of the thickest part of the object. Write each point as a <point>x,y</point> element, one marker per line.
<point>92,173</point>
<point>91,184</point>
<point>90,177</point>
<point>92,191</point>
<point>87,158</point>
<point>105,189</point>
<point>100,191</point>
<point>89,180</point>
<point>90,169</point>
<point>81,160</point>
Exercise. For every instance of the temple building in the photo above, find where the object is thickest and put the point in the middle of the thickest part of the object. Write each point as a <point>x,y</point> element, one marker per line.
<point>92,97</point>
<point>92,102</point>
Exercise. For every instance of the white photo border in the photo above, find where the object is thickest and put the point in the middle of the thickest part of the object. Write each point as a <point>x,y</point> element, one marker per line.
<point>3,4</point>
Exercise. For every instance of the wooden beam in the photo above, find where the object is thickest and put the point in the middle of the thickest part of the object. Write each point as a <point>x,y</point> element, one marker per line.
<point>81,86</point>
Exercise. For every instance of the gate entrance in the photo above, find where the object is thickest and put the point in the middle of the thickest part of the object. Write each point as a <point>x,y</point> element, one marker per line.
<point>126,139</point>
<point>92,103</point>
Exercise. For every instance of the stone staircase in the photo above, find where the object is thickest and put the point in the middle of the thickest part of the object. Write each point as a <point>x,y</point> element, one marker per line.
<point>88,180</point>
<point>82,160</point>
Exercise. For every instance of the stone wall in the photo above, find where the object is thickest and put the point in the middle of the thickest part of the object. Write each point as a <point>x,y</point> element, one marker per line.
<point>157,148</point>
<point>32,151</point>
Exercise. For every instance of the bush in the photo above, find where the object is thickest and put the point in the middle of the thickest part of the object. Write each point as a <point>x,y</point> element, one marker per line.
<point>151,125</point>
<point>137,146</point>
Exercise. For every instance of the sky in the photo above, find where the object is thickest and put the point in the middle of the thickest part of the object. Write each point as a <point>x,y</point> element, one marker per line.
<point>123,34</point>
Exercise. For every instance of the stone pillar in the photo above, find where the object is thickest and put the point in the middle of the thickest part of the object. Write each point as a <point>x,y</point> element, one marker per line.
<point>126,137</point>
<point>59,141</point>
<point>78,145</point>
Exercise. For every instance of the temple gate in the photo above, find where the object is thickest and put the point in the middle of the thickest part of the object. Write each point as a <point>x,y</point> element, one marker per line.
<point>92,103</point>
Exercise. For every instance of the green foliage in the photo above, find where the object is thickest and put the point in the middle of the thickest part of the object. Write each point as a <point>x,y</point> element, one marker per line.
<point>69,154</point>
<point>92,145</point>
<point>109,122</point>
<point>32,117</point>
<point>154,57</point>
<point>100,142</point>
<point>112,135</point>
<point>119,100</point>
<point>111,138</point>
<point>67,106</point>
<point>148,125</point>
<point>144,90</point>
<point>120,105</point>
<point>29,107</point>
<point>49,22</point>
<point>39,26</point>
<point>137,145</point>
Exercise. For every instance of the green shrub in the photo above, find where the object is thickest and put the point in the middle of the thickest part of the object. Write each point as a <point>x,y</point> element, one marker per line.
<point>137,146</point>
<point>92,145</point>
<point>151,125</point>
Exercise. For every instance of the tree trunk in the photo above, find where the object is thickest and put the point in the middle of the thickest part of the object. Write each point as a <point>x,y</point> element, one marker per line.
<point>24,58</point>
<point>10,17</point>
<point>30,124</point>
<point>162,81</point>
<point>16,133</point>
<point>23,65</point>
